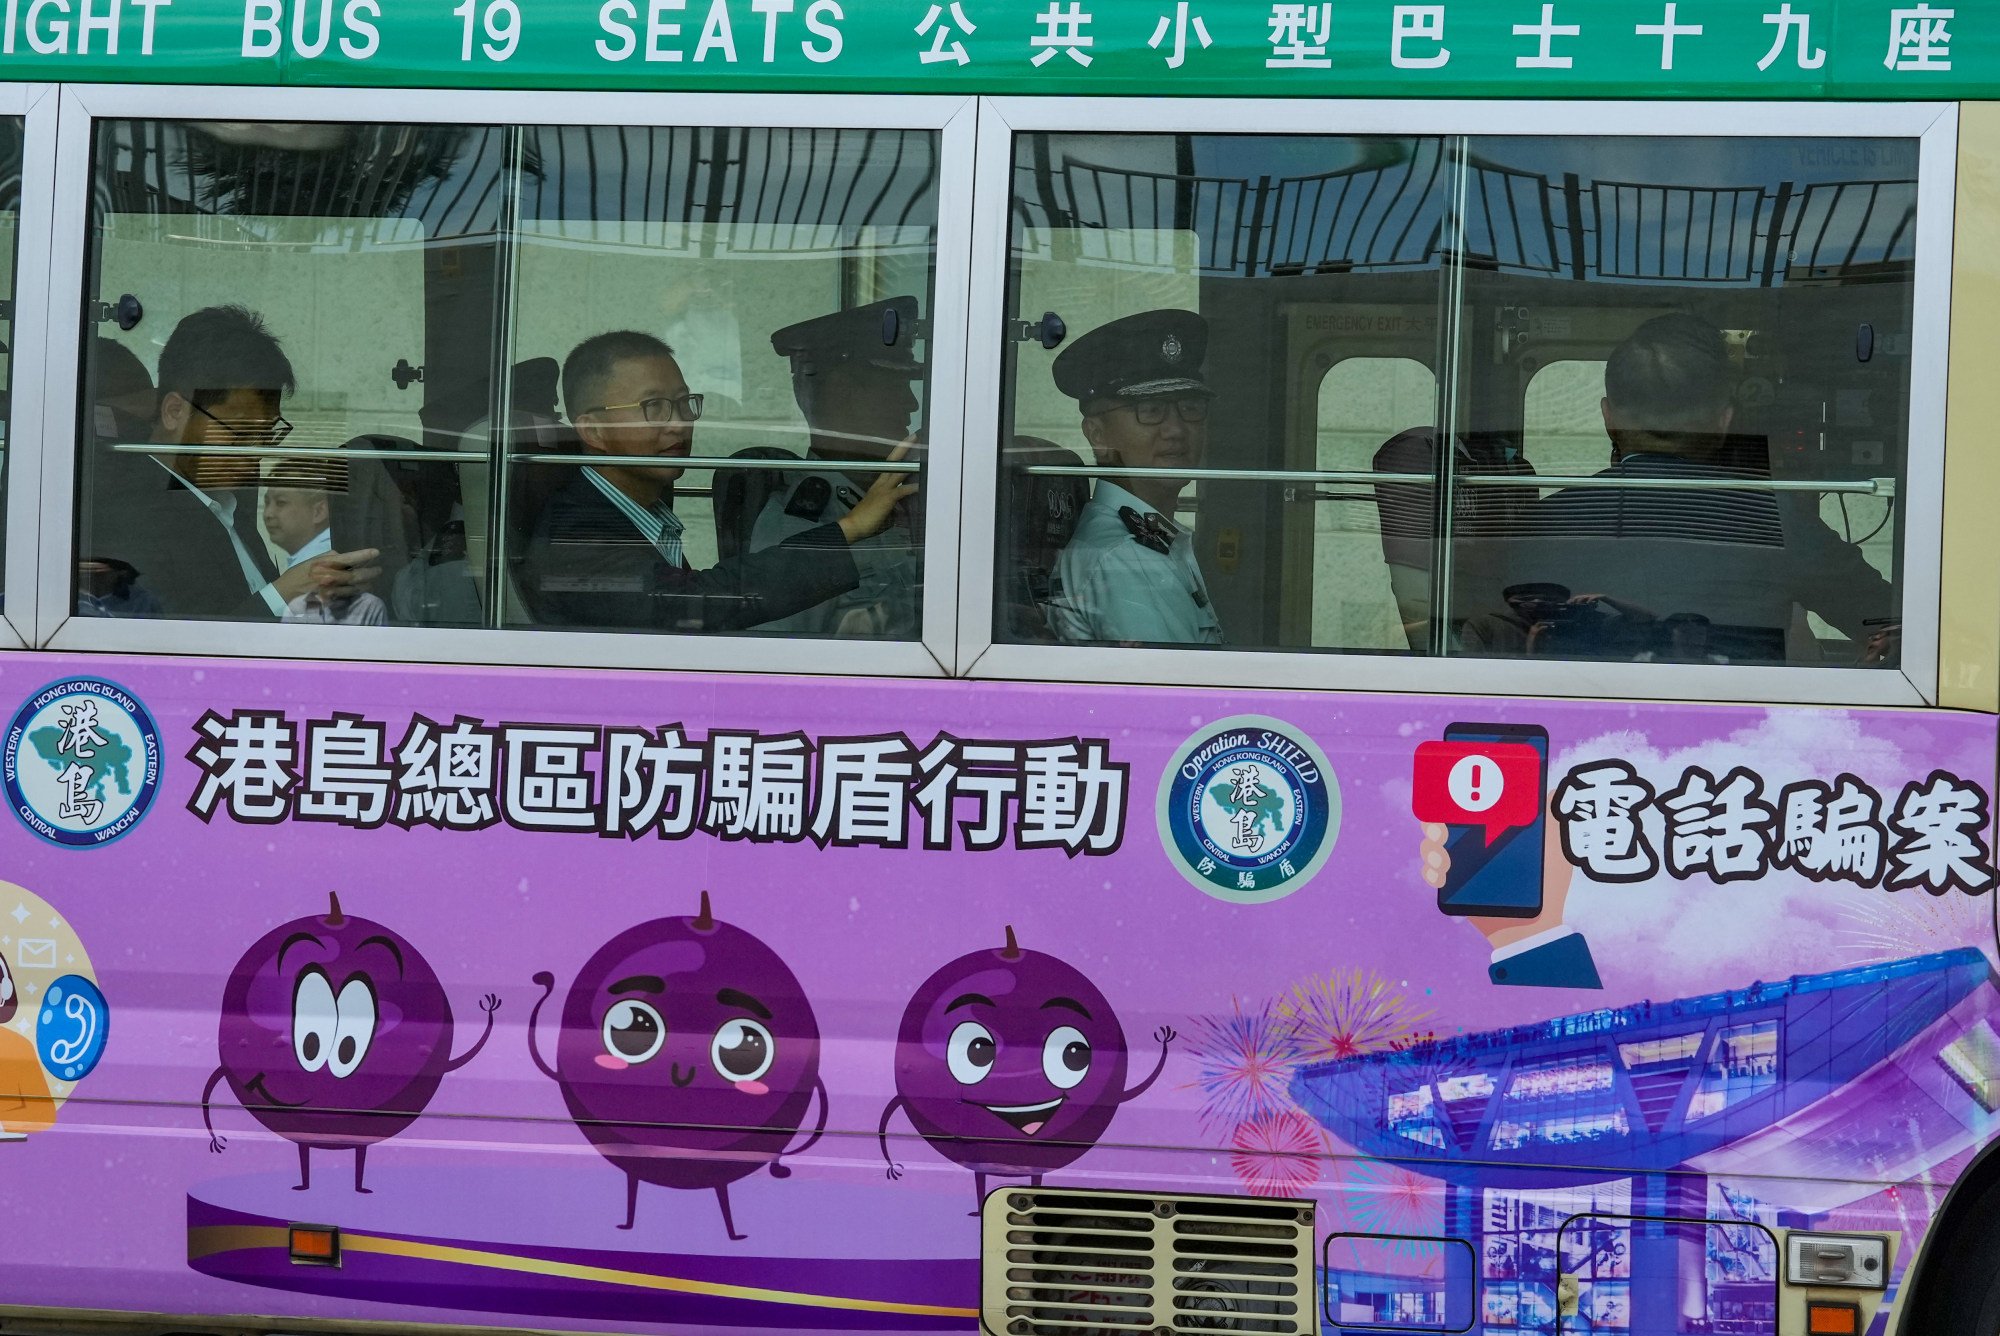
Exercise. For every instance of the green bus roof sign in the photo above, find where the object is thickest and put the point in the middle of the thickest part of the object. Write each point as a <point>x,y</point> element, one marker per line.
<point>1801,49</point>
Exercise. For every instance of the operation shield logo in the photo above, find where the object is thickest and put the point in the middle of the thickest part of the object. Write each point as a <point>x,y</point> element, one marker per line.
<point>82,763</point>
<point>1249,809</point>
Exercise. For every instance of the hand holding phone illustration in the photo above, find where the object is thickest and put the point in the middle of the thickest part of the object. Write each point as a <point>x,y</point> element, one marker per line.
<point>1434,857</point>
<point>1488,850</point>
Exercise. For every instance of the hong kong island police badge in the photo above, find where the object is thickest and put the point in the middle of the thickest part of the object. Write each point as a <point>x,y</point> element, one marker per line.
<point>1249,809</point>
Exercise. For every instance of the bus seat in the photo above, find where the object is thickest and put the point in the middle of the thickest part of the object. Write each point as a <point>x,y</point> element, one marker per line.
<point>1043,512</point>
<point>529,487</point>
<point>368,507</point>
<point>1405,512</point>
<point>740,495</point>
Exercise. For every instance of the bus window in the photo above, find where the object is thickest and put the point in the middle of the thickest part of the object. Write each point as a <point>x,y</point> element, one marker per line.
<point>1367,589</point>
<point>293,328</point>
<point>755,301</point>
<point>1178,465</point>
<point>1709,375</point>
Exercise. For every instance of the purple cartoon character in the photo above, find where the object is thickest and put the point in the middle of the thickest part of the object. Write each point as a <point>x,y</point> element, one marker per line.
<point>335,1035</point>
<point>1010,1062</point>
<point>688,1056</point>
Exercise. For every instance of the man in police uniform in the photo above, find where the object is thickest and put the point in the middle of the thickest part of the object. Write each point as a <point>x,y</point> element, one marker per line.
<point>852,373</point>
<point>1129,576</point>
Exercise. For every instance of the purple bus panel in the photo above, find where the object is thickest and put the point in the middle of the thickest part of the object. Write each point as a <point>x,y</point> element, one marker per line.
<point>692,1003</point>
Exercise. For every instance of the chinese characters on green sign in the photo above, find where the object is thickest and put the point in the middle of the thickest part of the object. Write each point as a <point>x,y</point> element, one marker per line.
<point>1337,48</point>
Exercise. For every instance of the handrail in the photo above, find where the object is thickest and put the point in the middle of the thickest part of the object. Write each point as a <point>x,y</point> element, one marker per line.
<point>1858,487</point>
<point>301,452</point>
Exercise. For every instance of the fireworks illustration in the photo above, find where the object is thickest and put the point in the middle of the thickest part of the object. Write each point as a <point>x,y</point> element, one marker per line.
<point>1278,1155</point>
<point>1346,1014</point>
<point>1387,1199</point>
<point>1244,1063</point>
<point>1895,927</point>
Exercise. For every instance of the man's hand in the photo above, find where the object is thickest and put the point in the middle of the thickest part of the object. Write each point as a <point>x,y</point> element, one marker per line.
<point>333,577</point>
<point>876,510</point>
<point>1884,645</point>
<point>1435,862</point>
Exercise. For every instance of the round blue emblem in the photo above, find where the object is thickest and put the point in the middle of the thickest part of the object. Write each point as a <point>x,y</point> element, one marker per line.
<point>1249,809</point>
<point>82,764</point>
<point>72,1027</point>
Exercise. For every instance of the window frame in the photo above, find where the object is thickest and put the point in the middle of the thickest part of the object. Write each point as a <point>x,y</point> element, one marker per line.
<point>56,627</point>
<point>1914,682</point>
<point>37,104</point>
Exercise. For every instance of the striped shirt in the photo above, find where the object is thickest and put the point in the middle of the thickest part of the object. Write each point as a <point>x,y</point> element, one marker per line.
<point>656,523</point>
<point>1748,518</point>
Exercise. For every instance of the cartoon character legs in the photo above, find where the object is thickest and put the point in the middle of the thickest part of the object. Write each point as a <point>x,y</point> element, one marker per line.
<point>631,1200</point>
<point>728,1222</point>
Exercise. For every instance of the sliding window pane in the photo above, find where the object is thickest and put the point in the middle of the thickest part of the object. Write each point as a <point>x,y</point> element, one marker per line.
<point>727,335</point>
<point>287,371</point>
<point>1220,383</point>
<point>1698,351</point>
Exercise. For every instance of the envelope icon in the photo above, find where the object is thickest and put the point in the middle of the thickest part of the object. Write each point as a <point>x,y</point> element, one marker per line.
<point>37,953</point>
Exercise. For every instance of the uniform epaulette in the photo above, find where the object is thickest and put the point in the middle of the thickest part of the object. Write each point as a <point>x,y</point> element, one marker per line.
<point>1148,530</point>
<point>809,499</point>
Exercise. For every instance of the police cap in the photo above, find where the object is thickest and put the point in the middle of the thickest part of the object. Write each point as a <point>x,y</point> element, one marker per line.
<point>1136,357</point>
<point>881,334</point>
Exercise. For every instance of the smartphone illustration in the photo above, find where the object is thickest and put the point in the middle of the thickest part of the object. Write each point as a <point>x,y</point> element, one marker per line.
<point>1502,879</point>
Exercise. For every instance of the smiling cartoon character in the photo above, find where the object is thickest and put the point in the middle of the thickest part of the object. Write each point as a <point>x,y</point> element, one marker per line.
<point>688,1056</point>
<point>335,1035</point>
<point>1011,1062</point>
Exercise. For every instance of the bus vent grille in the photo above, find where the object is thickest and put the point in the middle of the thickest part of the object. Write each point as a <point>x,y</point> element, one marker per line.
<point>1074,1263</point>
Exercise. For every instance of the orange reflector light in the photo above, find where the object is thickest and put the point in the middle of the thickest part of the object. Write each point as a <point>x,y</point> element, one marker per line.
<point>315,1245</point>
<point>1824,1319</point>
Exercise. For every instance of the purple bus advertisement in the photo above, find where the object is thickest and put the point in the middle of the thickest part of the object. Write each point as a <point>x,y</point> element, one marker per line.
<point>714,1005</point>
<point>1033,667</point>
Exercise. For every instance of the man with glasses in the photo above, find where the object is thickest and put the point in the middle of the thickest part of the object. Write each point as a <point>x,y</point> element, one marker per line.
<point>186,519</point>
<point>852,373</point>
<point>1129,576</point>
<point>607,551</point>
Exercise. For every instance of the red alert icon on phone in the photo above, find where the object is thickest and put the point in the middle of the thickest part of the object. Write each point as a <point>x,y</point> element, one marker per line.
<point>1495,785</point>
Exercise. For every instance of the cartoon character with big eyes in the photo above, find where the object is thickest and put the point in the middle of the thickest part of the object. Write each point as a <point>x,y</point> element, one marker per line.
<point>1010,1062</point>
<point>335,1035</point>
<point>688,1056</point>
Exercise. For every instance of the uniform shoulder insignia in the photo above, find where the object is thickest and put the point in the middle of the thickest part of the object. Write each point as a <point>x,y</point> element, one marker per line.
<point>1147,530</point>
<point>809,499</point>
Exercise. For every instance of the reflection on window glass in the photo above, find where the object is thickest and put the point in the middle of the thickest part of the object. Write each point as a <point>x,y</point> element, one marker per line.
<point>1370,557</point>
<point>1677,407</point>
<point>1248,321</point>
<point>704,414</point>
<point>292,325</point>
<point>758,298</point>
<point>1709,377</point>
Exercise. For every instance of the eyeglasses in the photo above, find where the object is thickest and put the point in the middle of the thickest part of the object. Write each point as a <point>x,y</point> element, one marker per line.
<point>687,408</point>
<point>277,429</point>
<point>1152,412</point>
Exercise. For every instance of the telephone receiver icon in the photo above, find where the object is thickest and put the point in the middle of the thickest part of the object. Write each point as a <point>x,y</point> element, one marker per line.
<point>85,1019</point>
